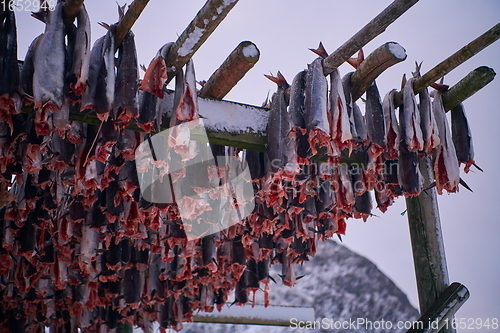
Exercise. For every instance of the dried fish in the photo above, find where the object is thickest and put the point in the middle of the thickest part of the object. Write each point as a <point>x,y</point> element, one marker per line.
<point>391,125</point>
<point>88,98</point>
<point>105,84</point>
<point>462,137</point>
<point>156,74</point>
<point>375,121</point>
<point>446,164</point>
<point>428,123</point>
<point>409,120</point>
<point>340,124</point>
<point>81,54</point>
<point>296,110</point>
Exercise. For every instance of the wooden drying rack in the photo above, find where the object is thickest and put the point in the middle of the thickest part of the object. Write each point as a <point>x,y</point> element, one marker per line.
<point>438,299</point>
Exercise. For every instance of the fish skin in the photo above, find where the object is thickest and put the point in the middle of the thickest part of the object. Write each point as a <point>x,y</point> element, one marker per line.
<point>105,86</point>
<point>340,124</point>
<point>126,103</point>
<point>49,62</point>
<point>446,165</point>
<point>462,137</point>
<point>346,86</point>
<point>428,123</point>
<point>409,120</point>
<point>296,110</point>
<point>88,98</point>
<point>391,125</point>
<point>375,121</point>
<point>316,106</point>
<point>156,73</point>
<point>28,68</point>
<point>81,54</point>
<point>281,146</point>
<point>360,125</point>
<point>9,68</point>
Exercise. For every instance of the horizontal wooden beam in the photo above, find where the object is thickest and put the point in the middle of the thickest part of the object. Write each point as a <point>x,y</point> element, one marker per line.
<point>127,21</point>
<point>374,28</point>
<point>468,86</point>
<point>377,62</point>
<point>232,70</point>
<point>453,61</point>
<point>201,27</point>
<point>440,314</point>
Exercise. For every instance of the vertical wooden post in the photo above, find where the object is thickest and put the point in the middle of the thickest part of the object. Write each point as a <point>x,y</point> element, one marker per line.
<point>427,243</point>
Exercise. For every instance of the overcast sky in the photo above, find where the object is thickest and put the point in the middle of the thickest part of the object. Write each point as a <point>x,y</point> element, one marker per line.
<point>432,30</point>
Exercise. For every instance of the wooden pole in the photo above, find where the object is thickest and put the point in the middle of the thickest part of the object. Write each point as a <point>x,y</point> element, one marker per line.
<point>71,9</point>
<point>427,243</point>
<point>378,61</point>
<point>453,61</point>
<point>201,27</point>
<point>440,314</point>
<point>236,65</point>
<point>134,10</point>
<point>468,86</point>
<point>374,28</point>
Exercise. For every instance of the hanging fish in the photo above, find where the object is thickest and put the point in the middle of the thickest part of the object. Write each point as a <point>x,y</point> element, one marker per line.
<point>357,121</point>
<point>411,133</point>
<point>10,101</point>
<point>282,147</point>
<point>126,103</point>
<point>391,125</point>
<point>375,121</point>
<point>49,64</point>
<point>105,84</point>
<point>88,97</point>
<point>156,74</point>
<point>81,54</point>
<point>446,164</point>
<point>316,107</point>
<point>296,110</point>
<point>462,137</point>
<point>340,124</point>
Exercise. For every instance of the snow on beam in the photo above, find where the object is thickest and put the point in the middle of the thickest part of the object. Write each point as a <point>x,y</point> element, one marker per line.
<point>257,315</point>
<point>201,27</point>
<point>374,28</point>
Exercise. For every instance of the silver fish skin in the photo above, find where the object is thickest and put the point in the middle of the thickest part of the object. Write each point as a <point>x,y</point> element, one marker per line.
<point>340,124</point>
<point>391,125</point>
<point>428,123</point>
<point>81,54</point>
<point>29,68</point>
<point>346,85</point>
<point>88,98</point>
<point>281,145</point>
<point>126,102</point>
<point>48,78</point>
<point>316,98</point>
<point>360,125</point>
<point>446,165</point>
<point>375,120</point>
<point>462,137</point>
<point>105,87</point>
<point>411,133</point>
<point>9,68</point>
<point>296,110</point>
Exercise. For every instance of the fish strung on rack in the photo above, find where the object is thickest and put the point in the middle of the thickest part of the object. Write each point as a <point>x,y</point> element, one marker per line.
<point>357,121</point>
<point>446,164</point>
<point>126,104</point>
<point>296,110</point>
<point>316,108</point>
<point>375,122</point>
<point>81,54</point>
<point>10,101</point>
<point>88,97</point>
<point>462,137</point>
<point>156,73</point>
<point>282,146</point>
<point>391,126</point>
<point>428,123</point>
<point>409,120</point>
<point>105,84</point>
<point>341,127</point>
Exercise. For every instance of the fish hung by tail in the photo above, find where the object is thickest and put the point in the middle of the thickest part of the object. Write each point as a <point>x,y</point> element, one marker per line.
<point>105,85</point>
<point>375,121</point>
<point>409,120</point>
<point>340,125</point>
<point>462,137</point>
<point>391,125</point>
<point>296,110</point>
<point>428,123</point>
<point>156,73</point>
<point>81,54</point>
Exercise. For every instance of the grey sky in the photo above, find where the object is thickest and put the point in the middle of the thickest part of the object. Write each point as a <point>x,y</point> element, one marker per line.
<point>432,30</point>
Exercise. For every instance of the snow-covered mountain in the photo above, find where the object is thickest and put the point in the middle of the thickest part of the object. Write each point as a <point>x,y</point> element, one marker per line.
<point>341,285</point>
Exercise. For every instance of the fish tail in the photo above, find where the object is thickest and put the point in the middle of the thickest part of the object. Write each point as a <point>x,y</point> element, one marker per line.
<point>279,79</point>
<point>320,51</point>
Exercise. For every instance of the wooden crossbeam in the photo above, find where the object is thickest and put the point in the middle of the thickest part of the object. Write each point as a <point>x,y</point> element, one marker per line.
<point>127,21</point>
<point>374,28</point>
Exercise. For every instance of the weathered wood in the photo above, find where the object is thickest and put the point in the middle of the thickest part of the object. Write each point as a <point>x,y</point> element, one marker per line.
<point>234,68</point>
<point>256,315</point>
<point>201,27</point>
<point>378,61</point>
<point>468,86</point>
<point>453,61</point>
<point>441,312</point>
<point>71,9</point>
<point>427,242</point>
<point>374,28</point>
<point>127,21</point>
